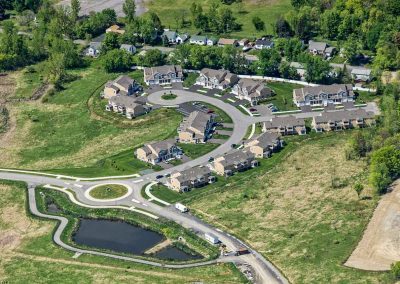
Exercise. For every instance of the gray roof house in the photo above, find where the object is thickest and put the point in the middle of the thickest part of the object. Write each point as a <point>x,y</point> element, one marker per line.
<point>181,38</point>
<point>127,106</point>
<point>320,48</point>
<point>196,128</point>
<point>190,178</point>
<point>128,48</point>
<point>170,36</point>
<point>123,85</point>
<point>342,119</point>
<point>361,74</point>
<point>234,161</point>
<point>199,40</point>
<point>323,95</point>
<point>251,90</point>
<point>212,41</point>
<point>264,144</point>
<point>285,125</point>
<point>216,79</point>
<point>159,151</point>
<point>162,75</point>
<point>94,49</point>
<point>264,43</point>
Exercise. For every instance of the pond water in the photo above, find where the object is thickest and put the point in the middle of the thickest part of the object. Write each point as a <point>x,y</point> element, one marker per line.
<point>119,236</point>
<point>174,253</point>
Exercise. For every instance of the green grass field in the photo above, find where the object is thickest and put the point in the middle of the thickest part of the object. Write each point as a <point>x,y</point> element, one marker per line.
<point>197,150</point>
<point>283,99</point>
<point>30,254</point>
<point>170,11</point>
<point>108,191</point>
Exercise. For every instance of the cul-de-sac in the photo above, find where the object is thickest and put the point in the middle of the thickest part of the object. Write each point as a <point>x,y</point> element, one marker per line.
<point>200,141</point>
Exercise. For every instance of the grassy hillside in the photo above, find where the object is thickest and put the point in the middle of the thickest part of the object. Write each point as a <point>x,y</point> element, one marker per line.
<point>268,10</point>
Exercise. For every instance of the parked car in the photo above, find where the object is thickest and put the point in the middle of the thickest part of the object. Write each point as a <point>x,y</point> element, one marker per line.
<point>253,109</point>
<point>167,175</point>
<point>210,111</point>
<point>211,159</point>
<point>159,177</point>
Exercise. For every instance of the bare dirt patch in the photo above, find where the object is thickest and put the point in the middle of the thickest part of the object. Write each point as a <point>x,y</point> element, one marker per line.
<point>380,245</point>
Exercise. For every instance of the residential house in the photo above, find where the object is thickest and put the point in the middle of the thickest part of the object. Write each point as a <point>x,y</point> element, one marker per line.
<point>183,181</point>
<point>264,44</point>
<point>263,145</point>
<point>94,49</point>
<point>227,41</point>
<point>115,29</point>
<point>157,152</point>
<point>323,95</point>
<point>181,38</point>
<point>250,58</point>
<point>285,125</point>
<point>216,79</point>
<point>300,69</point>
<point>162,75</point>
<point>361,74</point>
<point>342,119</point>
<point>212,41</point>
<point>199,40</point>
<point>170,36</point>
<point>234,161</point>
<point>243,42</point>
<point>128,106</point>
<point>196,128</point>
<point>123,85</point>
<point>128,48</point>
<point>251,90</point>
<point>320,48</point>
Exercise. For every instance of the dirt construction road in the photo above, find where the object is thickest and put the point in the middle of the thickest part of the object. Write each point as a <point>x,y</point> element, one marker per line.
<point>380,245</point>
<point>98,5</point>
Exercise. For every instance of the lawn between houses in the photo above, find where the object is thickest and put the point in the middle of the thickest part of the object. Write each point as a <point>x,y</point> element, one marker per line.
<point>298,209</point>
<point>30,254</point>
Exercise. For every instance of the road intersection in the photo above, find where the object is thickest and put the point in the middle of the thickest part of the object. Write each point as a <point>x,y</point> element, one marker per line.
<point>265,271</point>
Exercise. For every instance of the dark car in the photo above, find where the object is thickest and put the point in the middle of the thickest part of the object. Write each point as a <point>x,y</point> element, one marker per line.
<point>253,109</point>
<point>211,159</point>
<point>210,111</point>
<point>159,176</point>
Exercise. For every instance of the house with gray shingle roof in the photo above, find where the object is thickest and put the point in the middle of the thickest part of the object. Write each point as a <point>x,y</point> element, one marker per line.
<point>190,178</point>
<point>159,151</point>
<point>196,128</point>
<point>323,95</point>
<point>162,75</point>
<point>342,119</point>
<point>199,40</point>
<point>128,106</point>
<point>94,49</point>
<point>320,48</point>
<point>216,79</point>
<point>234,161</point>
<point>264,144</point>
<point>251,90</point>
<point>123,86</point>
<point>285,125</point>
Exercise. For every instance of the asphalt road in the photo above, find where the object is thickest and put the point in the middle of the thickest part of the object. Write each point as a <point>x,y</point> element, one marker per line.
<point>266,272</point>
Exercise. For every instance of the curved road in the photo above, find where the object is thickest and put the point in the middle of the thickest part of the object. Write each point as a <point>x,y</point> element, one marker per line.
<point>265,271</point>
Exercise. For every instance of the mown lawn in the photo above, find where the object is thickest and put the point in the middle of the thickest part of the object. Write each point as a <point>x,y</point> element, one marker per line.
<point>283,99</point>
<point>170,13</point>
<point>197,150</point>
<point>31,256</point>
<point>108,191</point>
<point>298,209</point>
<point>73,130</point>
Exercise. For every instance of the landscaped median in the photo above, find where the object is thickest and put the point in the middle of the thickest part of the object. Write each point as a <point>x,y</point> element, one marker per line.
<point>108,191</point>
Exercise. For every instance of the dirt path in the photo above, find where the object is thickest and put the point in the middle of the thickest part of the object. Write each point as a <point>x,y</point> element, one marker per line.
<point>88,6</point>
<point>380,245</point>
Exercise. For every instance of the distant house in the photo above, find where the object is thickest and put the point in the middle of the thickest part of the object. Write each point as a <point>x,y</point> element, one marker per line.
<point>323,95</point>
<point>264,44</point>
<point>181,38</point>
<point>216,79</point>
<point>115,29</point>
<point>250,58</point>
<point>94,49</point>
<point>128,106</point>
<point>320,48</point>
<point>185,180</point>
<point>123,85</point>
<point>361,74</point>
<point>212,41</point>
<point>263,145</point>
<point>162,75</point>
<point>129,48</point>
<point>234,161</point>
<point>157,152</point>
<point>342,119</point>
<point>199,40</point>
<point>285,125</point>
<point>251,90</point>
<point>170,36</point>
<point>243,42</point>
<point>300,69</point>
<point>196,128</point>
<point>227,41</point>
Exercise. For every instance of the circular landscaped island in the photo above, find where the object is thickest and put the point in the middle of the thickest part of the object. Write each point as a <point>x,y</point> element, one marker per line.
<point>108,191</point>
<point>169,97</point>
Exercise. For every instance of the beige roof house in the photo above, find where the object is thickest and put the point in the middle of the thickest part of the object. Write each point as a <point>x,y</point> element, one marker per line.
<point>190,178</point>
<point>216,79</point>
<point>264,145</point>
<point>251,90</point>
<point>227,41</point>
<point>234,161</point>
<point>162,75</point>
<point>129,106</point>
<point>115,29</point>
<point>123,86</point>
<point>342,119</point>
<point>285,125</point>
<point>196,128</point>
<point>323,95</point>
<point>159,151</point>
